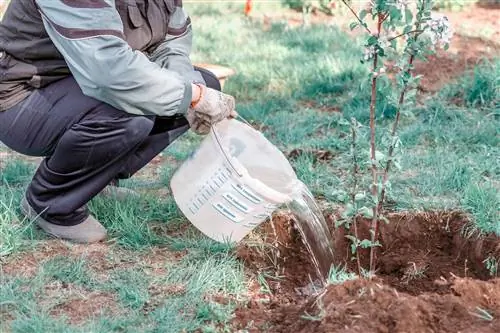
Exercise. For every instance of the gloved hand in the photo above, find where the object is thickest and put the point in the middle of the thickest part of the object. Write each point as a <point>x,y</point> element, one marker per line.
<point>212,107</point>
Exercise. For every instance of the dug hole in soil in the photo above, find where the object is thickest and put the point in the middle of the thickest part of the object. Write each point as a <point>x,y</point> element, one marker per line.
<point>429,279</point>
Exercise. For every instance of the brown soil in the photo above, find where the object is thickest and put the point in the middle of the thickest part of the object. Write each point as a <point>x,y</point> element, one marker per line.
<point>370,306</point>
<point>80,308</point>
<point>284,255</point>
<point>429,279</point>
<point>446,66</point>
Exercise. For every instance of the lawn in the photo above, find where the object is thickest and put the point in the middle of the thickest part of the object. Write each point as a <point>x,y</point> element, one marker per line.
<point>298,85</point>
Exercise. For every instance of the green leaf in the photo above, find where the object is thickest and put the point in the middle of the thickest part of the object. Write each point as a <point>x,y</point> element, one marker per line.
<point>349,211</point>
<point>354,243</point>
<point>365,243</point>
<point>395,14</point>
<point>353,25</point>
<point>359,196</point>
<point>372,40</point>
<point>379,155</point>
<point>362,14</point>
<point>407,29</point>
<point>366,212</point>
<point>351,238</point>
<point>408,16</point>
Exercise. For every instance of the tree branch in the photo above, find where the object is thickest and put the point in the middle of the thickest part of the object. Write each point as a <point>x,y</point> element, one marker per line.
<point>356,15</point>
<point>393,137</point>
<point>406,33</point>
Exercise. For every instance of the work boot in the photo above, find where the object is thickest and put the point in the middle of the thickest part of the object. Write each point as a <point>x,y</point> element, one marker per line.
<point>89,231</point>
<point>114,191</point>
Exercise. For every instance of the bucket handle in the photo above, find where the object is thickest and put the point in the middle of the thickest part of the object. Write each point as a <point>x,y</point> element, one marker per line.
<point>244,120</point>
<point>217,139</point>
<point>226,156</point>
<point>216,136</point>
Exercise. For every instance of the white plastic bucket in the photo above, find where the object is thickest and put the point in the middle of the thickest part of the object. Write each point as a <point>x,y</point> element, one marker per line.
<point>233,182</point>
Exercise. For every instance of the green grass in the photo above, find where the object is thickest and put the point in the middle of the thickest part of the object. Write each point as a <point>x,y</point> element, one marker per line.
<point>288,82</point>
<point>479,89</point>
<point>483,202</point>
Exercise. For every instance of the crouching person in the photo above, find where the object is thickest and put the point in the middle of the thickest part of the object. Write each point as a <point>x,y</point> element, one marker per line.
<point>97,88</point>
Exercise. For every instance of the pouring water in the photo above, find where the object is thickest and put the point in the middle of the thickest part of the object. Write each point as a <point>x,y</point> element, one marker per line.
<point>313,229</point>
<point>236,180</point>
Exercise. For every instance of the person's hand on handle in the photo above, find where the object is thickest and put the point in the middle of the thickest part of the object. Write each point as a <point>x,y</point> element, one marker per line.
<point>208,107</point>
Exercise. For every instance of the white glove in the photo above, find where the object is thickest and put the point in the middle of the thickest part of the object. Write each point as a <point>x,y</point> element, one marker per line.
<point>212,107</point>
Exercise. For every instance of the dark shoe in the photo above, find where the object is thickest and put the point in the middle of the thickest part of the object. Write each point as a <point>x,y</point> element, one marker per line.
<point>89,231</point>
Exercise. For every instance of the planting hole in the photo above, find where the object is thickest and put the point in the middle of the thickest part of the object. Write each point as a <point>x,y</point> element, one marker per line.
<point>428,266</point>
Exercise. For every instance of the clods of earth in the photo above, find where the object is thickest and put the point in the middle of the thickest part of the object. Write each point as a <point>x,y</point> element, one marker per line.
<point>431,277</point>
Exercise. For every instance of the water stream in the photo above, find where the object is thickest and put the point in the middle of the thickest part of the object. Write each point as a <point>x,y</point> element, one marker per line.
<point>314,230</point>
<point>308,216</point>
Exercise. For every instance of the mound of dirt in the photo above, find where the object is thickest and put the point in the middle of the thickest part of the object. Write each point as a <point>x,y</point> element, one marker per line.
<point>371,306</point>
<point>429,279</point>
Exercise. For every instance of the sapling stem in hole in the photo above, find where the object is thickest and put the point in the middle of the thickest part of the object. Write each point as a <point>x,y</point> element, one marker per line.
<point>355,175</point>
<point>373,103</point>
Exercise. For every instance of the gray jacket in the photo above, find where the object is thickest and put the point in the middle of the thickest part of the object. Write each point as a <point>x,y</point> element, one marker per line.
<point>132,54</point>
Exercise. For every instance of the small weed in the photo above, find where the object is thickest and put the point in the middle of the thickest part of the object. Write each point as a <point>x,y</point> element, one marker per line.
<point>492,265</point>
<point>414,272</point>
<point>262,280</point>
<point>131,285</point>
<point>339,275</point>
<point>482,314</point>
<point>67,270</point>
<point>12,231</point>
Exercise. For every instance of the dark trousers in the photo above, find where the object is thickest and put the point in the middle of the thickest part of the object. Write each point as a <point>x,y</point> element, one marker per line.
<point>86,144</point>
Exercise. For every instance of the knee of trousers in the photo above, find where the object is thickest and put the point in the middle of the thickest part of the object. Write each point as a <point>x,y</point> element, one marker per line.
<point>113,135</point>
<point>138,127</point>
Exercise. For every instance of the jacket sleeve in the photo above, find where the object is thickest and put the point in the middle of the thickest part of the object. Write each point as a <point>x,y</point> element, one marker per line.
<point>89,35</point>
<point>173,53</point>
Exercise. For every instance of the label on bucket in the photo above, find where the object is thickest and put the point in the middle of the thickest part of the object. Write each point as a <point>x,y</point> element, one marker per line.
<point>236,203</point>
<point>227,213</point>
<point>250,195</point>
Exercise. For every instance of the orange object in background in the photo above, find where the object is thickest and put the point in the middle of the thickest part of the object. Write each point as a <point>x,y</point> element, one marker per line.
<point>248,7</point>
